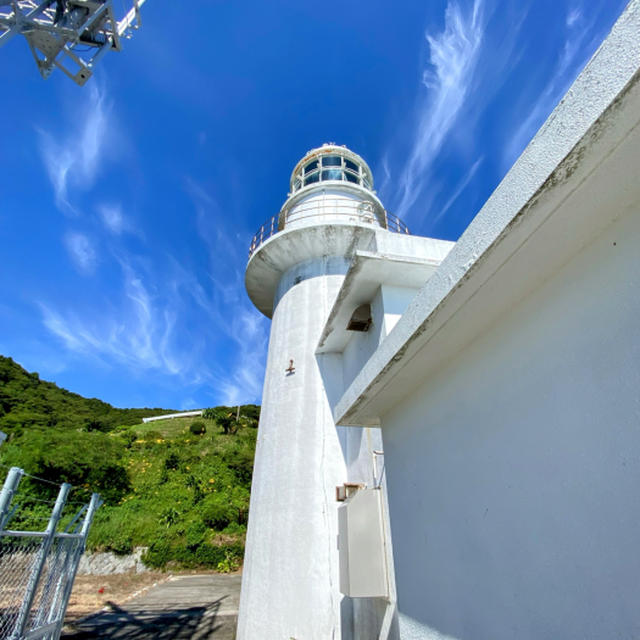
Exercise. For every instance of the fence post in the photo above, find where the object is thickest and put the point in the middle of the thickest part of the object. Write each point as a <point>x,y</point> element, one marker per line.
<point>6,495</point>
<point>36,572</point>
<point>84,532</point>
<point>68,558</point>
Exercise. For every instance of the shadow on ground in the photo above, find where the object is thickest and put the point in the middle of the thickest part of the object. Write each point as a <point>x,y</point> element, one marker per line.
<point>136,623</point>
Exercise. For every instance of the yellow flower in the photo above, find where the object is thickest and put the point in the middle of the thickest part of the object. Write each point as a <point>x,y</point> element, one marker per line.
<point>211,480</point>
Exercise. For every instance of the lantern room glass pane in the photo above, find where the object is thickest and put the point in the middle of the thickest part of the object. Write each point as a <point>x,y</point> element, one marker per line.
<point>351,177</point>
<point>332,161</point>
<point>311,166</point>
<point>332,174</point>
<point>314,177</point>
<point>351,165</point>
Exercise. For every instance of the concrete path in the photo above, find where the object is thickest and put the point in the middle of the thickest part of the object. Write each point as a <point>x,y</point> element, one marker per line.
<point>185,607</point>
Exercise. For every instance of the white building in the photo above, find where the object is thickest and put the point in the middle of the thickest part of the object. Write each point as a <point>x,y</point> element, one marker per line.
<point>300,274</point>
<point>505,382</point>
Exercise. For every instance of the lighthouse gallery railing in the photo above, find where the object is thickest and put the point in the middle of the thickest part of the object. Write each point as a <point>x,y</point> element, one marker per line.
<point>331,208</point>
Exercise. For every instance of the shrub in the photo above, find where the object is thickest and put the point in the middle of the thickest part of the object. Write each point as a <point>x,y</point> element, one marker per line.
<point>172,461</point>
<point>230,563</point>
<point>198,428</point>
<point>158,554</point>
<point>235,529</point>
<point>169,516</point>
<point>240,461</point>
<point>97,425</point>
<point>194,534</point>
<point>128,436</point>
<point>120,543</point>
<point>218,511</point>
<point>111,480</point>
<point>90,461</point>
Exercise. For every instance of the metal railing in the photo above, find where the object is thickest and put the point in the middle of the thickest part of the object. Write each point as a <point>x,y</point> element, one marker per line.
<point>363,211</point>
<point>37,568</point>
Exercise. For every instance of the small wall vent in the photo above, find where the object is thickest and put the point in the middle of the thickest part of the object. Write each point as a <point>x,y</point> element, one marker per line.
<point>360,319</point>
<point>347,489</point>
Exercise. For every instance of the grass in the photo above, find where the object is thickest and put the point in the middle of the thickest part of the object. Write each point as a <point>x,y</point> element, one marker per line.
<point>173,427</point>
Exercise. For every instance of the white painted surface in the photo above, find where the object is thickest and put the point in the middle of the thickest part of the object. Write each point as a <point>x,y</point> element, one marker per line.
<point>367,618</point>
<point>395,300</point>
<point>290,577</point>
<point>290,247</point>
<point>367,272</point>
<point>514,470</point>
<point>361,344</point>
<point>387,305</point>
<point>168,416</point>
<point>418,247</point>
<point>329,205</point>
<point>363,571</point>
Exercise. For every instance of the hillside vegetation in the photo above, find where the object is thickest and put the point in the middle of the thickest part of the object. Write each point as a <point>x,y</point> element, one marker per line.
<point>179,487</point>
<point>26,401</point>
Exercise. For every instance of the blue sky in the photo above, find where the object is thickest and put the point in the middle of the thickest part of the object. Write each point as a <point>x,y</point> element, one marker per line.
<point>127,205</point>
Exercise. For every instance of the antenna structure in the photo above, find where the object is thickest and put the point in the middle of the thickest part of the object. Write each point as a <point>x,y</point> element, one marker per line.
<point>71,35</point>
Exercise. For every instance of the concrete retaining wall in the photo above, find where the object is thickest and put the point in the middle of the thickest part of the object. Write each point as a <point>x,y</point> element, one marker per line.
<point>103,564</point>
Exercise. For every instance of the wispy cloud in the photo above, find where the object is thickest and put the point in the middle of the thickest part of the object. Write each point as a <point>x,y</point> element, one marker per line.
<point>137,330</point>
<point>249,334</point>
<point>81,251</point>
<point>460,187</point>
<point>112,218</point>
<point>72,159</point>
<point>579,42</point>
<point>229,308</point>
<point>573,15</point>
<point>453,55</point>
<point>225,258</point>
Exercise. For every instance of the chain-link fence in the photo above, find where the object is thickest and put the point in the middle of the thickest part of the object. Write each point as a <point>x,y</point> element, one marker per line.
<point>39,558</point>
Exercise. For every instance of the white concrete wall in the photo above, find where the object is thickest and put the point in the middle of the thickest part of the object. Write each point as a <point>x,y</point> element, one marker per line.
<point>363,343</point>
<point>362,618</point>
<point>514,470</point>
<point>327,205</point>
<point>370,616</point>
<point>290,578</point>
<point>390,243</point>
<point>387,307</point>
<point>394,301</point>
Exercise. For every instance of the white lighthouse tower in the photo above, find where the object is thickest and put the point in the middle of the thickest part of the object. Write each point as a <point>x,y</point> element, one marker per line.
<point>296,276</point>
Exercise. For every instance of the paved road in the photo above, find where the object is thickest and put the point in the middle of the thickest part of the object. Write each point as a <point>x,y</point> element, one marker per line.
<point>185,607</point>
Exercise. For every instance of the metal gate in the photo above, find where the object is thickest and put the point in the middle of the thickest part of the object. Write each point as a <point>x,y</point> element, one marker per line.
<point>37,568</point>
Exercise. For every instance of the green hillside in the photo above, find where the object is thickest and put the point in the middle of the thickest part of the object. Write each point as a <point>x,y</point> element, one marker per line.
<point>179,488</point>
<point>26,401</point>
